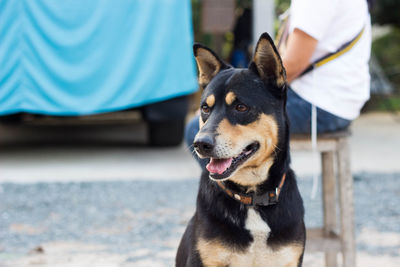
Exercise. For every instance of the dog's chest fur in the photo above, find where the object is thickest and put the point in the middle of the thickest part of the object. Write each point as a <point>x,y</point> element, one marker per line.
<point>254,255</point>
<point>257,254</point>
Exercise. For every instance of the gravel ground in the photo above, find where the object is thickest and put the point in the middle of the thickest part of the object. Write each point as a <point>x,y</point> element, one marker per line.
<point>139,223</point>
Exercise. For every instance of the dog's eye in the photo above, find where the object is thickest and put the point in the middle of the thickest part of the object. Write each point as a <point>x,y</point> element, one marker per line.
<point>205,109</point>
<point>241,107</point>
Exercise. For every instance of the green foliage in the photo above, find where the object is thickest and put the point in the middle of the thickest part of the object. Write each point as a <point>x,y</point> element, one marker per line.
<point>281,6</point>
<point>391,103</point>
<point>386,12</point>
<point>214,40</point>
<point>387,51</point>
<point>383,103</point>
<point>244,3</point>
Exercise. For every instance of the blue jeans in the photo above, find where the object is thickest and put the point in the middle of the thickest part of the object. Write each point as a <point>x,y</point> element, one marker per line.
<point>299,113</point>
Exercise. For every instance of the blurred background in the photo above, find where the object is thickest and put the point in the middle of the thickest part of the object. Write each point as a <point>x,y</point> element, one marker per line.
<point>94,96</point>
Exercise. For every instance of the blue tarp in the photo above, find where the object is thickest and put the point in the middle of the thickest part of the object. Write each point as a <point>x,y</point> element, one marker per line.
<point>74,57</point>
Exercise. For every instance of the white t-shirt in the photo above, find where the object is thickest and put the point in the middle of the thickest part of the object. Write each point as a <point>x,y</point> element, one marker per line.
<point>342,85</point>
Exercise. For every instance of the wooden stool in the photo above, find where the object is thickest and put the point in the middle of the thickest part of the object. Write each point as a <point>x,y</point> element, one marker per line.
<point>333,238</point>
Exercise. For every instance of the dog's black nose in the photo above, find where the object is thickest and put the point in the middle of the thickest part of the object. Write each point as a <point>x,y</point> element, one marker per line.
<point>204,144</point>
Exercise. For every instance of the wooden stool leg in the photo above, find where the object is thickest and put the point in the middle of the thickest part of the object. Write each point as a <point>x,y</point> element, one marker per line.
<point>329,201</point>
<point>347,234</point>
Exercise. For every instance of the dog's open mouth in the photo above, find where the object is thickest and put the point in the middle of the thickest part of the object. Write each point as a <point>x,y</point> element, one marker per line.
<point>223,168</point>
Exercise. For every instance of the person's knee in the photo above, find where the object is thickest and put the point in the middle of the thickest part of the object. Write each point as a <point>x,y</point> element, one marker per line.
<point>191,130</point>
<point>299,114</point>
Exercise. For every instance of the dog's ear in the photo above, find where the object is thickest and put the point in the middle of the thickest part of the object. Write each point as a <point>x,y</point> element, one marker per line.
<point>267,63</point>
<point>208,63</point>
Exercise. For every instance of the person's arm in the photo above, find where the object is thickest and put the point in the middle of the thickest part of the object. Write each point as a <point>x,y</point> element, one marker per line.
<point>297,55</point>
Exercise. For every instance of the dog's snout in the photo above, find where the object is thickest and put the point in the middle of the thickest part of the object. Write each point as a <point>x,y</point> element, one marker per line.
<point>204,144</point>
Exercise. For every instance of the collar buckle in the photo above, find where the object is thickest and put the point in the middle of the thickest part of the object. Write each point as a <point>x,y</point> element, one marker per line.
<point>267,199</point>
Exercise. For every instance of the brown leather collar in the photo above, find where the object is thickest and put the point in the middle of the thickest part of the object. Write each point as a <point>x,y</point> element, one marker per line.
<point>252,199</point>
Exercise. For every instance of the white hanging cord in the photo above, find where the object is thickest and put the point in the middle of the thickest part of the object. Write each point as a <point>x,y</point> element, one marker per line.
<point>314,143</point>
<point>314,150</point>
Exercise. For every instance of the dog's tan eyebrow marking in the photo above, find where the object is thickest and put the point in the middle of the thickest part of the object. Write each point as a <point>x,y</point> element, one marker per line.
<point>230,97</point>
<point>210,100</point>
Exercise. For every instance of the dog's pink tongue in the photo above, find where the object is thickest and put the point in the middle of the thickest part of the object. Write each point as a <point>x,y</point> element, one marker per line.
<point>218,165</point>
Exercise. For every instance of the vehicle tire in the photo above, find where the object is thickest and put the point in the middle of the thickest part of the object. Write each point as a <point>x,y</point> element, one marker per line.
<point>166,121</point>
<point>13,119</point>
<point>165,133</point>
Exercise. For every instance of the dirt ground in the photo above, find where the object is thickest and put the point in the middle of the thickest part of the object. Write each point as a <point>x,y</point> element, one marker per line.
<point>54,211</point>
<point>76,254</point>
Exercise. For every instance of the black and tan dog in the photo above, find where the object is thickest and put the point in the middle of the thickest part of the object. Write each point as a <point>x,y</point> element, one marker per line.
<point>249,210</point>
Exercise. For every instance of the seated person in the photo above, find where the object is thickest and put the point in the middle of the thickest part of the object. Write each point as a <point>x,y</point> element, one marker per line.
<point>340,87</point>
